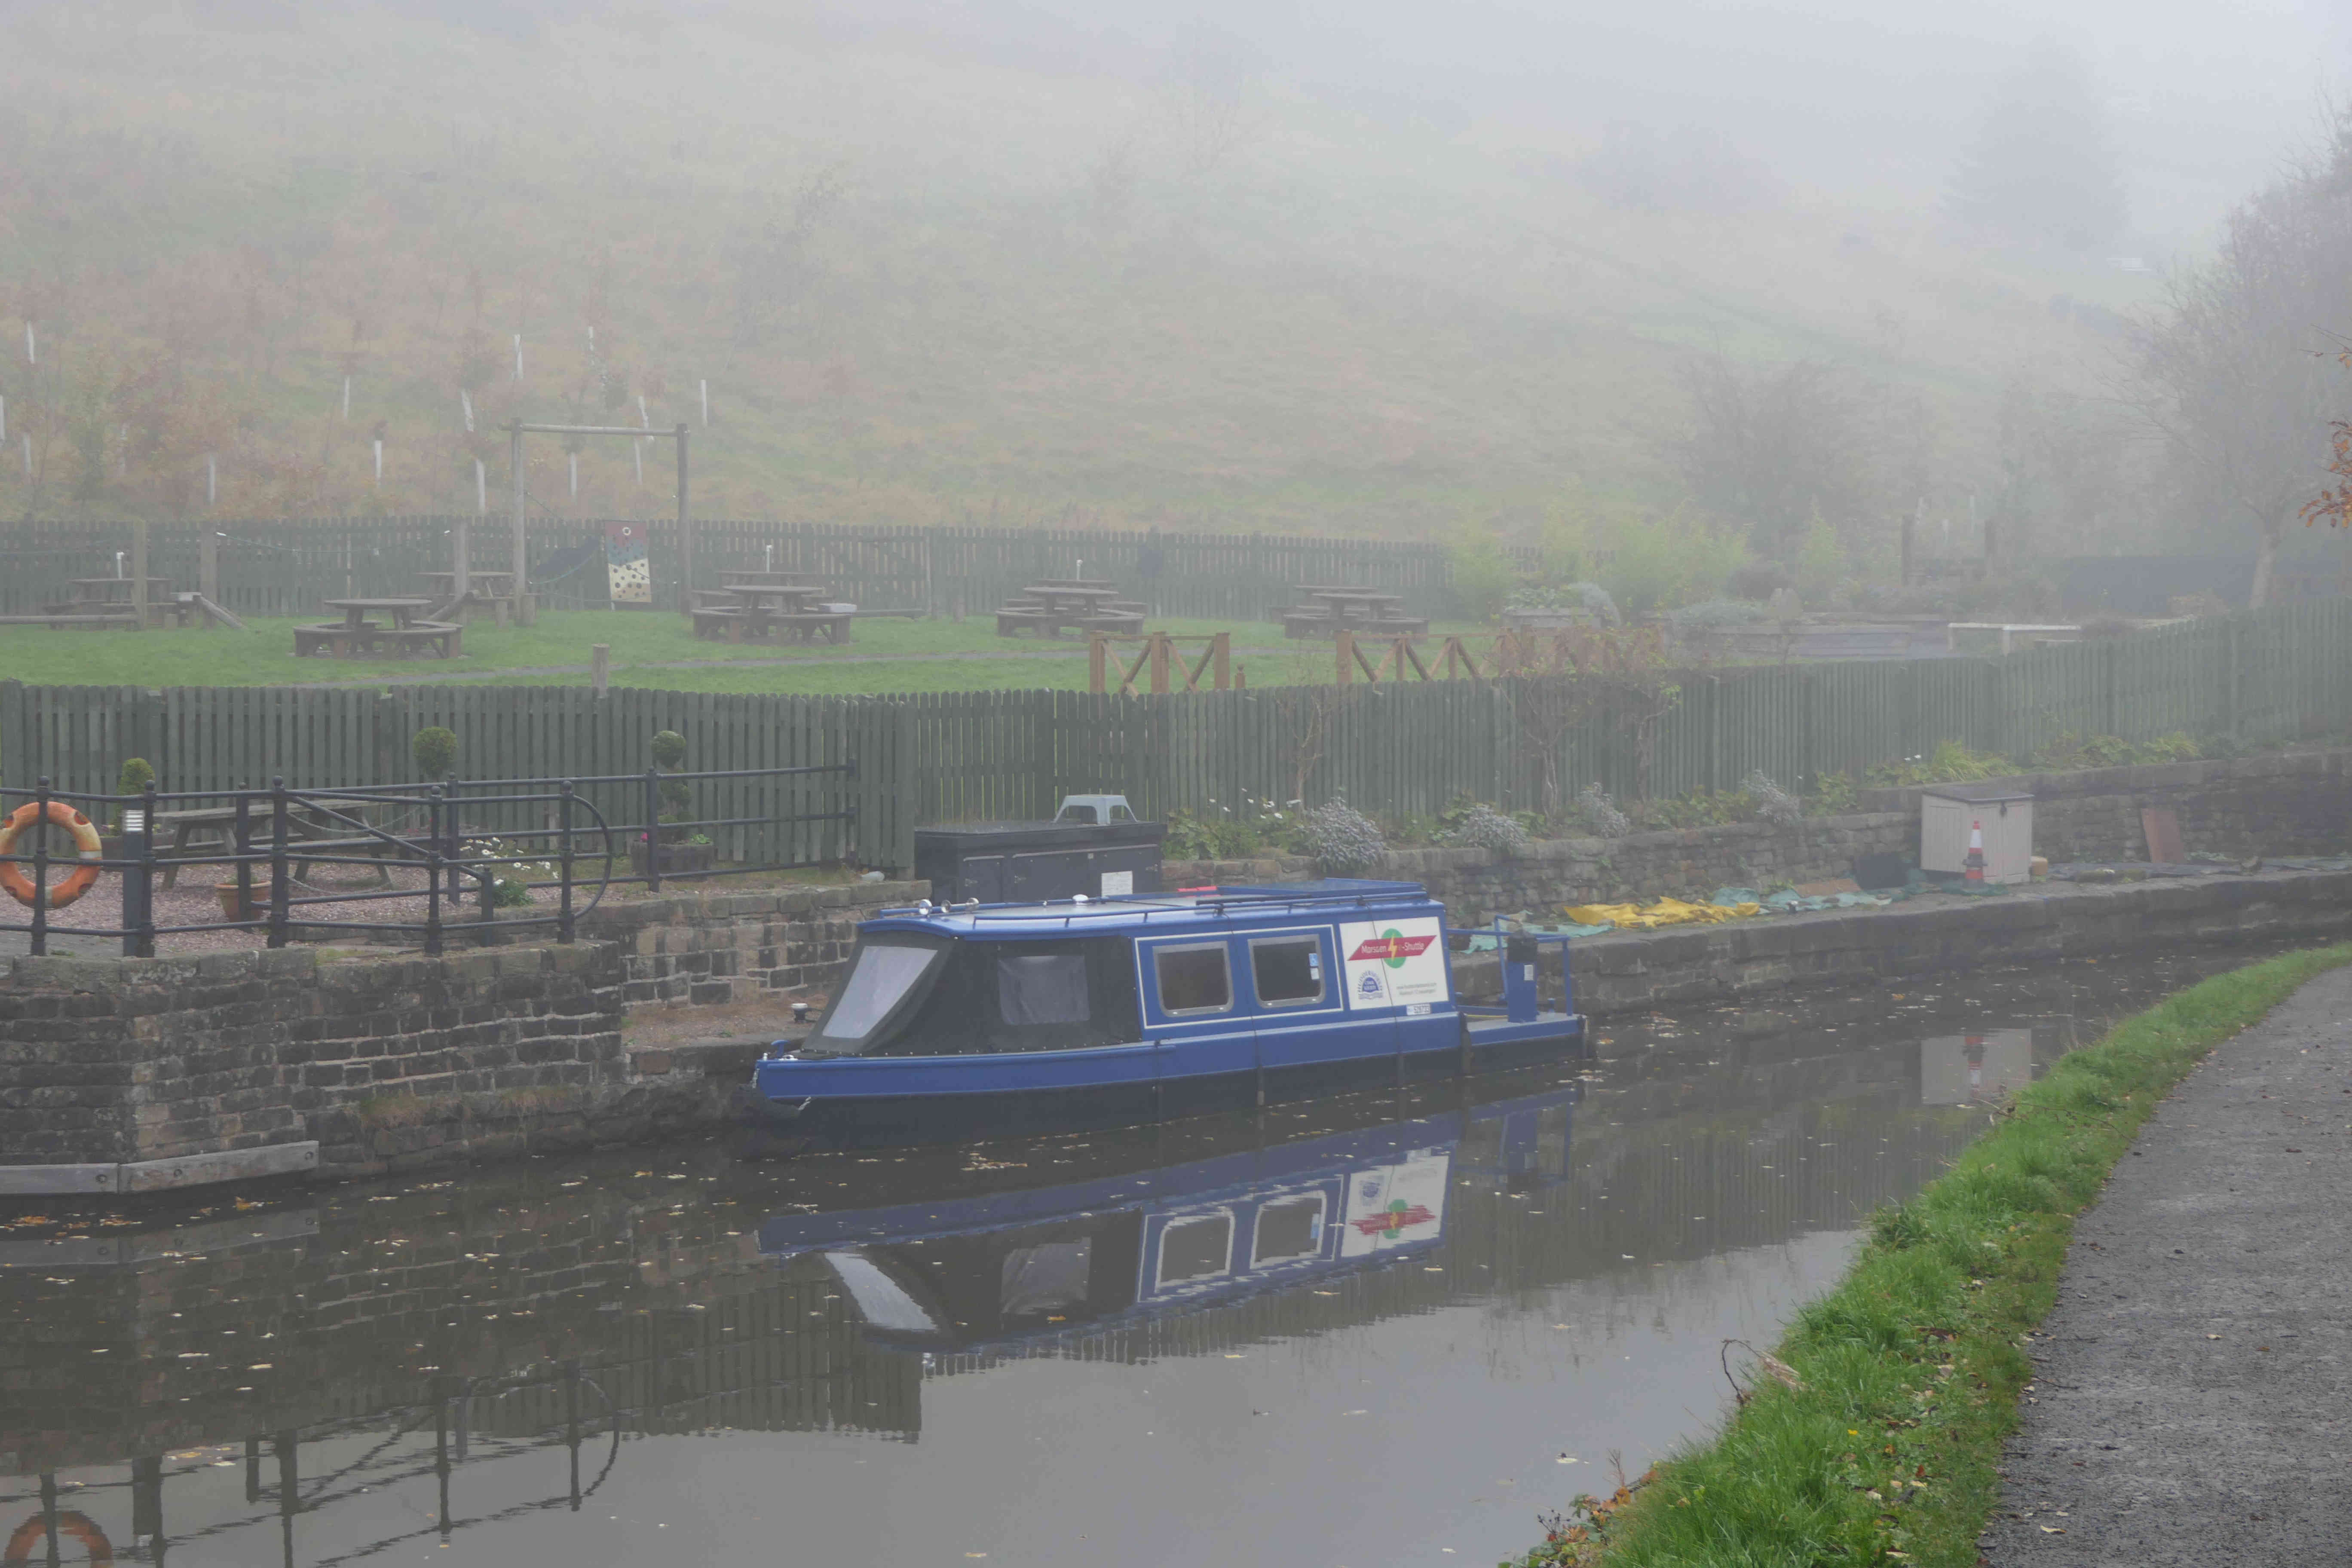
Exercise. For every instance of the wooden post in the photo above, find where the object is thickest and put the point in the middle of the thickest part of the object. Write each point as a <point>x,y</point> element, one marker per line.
<point>1160,650</point>
<point>1221,653</point>
<point>1097,658</point>
<point>685,533</point>
<point>600,669</point>
<point>522,600</point>
<point>208,564</point>
<point>1344,641</point>
<point>461,567</point>
<point>1910,543</point>
<point>139,574</point>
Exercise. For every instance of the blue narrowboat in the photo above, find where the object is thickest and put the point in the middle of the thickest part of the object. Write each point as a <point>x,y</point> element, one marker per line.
<point>994,1020</point>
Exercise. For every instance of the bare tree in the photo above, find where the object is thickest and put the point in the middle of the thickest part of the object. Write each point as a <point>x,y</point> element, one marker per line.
<point>1770,450</point>
<point>2239,370</point>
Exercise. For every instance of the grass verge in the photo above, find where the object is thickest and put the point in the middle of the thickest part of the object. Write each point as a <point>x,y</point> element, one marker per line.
<point>1911,1368</point>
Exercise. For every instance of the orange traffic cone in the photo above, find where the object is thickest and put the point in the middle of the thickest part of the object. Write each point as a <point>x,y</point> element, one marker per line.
<point>1972,866</point>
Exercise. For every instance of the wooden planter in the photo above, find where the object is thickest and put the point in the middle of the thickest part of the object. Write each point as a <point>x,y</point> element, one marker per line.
<point>675,858</point>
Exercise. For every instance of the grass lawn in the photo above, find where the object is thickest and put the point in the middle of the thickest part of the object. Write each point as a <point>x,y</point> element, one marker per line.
<point>648,649</point>
<point>1910,1370</point>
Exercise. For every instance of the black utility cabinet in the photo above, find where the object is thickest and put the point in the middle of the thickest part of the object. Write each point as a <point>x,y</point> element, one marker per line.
<point>1026,862</point>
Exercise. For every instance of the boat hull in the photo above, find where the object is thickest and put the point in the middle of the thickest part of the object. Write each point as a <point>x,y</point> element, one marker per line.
<point>857,1103</point>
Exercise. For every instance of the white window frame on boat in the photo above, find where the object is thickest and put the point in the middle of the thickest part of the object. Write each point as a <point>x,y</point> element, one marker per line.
<point>1223,947</point>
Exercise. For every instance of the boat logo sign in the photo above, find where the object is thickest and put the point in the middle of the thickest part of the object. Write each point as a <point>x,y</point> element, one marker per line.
<point>1391,947</point>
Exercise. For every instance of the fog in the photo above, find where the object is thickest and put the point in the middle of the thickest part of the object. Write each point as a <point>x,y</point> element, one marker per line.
<point>1484,272</point>
<point>1873,100</point>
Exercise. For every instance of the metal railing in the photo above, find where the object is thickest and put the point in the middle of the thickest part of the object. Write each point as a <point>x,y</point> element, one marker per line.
<point>277,834</point>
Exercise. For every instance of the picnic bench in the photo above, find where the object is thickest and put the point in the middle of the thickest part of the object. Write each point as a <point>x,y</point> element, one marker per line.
<point>1081,604</point>
<point>490,592</point>
<point>405,631</point>
<point>1331,608</point>
<point>771,611</point>
<point>208,835</point>
<point>103,602</point>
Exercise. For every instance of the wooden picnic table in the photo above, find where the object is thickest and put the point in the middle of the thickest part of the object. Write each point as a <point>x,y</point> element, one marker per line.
<point>116,590</point>
<point>108,601</point>
<point>1085,604</point>
<point>782,610</point>
<point>751,579</point>
<point>315,827</point>
<point>355,635</point>
<point>1339,608</point>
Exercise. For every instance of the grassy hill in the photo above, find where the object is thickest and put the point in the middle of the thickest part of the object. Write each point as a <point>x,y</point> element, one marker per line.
<point>922,284</point>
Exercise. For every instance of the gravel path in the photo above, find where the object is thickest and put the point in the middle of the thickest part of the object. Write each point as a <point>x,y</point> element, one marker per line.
<point>2191,1402</point>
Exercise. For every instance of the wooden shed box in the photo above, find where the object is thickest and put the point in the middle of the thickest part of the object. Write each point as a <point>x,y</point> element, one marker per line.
<point>1948,811</point>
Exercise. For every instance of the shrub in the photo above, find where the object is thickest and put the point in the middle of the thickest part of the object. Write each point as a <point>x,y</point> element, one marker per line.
<point>435,751</point>
<point>1834,795</point>
<point>1949,763</point>
<point>1589,598</point>
<point>1482,577</point>
<point>669,749</point>
<point>136,775</point>
<point>1598,814</point>
<point>1481,826</point>
<point>1339,840</point>
<point>1773,804</point>
<point>1715,615</point>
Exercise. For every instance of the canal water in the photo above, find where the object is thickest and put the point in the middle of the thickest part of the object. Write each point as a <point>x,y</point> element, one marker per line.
<point>1360,1332</point>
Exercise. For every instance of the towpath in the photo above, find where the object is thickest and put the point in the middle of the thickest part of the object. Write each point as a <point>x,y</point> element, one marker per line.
<point>2193,1394</point>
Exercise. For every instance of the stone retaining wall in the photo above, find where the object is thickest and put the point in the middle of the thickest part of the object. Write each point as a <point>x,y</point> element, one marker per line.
<point>2297,802</point>
<point>1636,972</point>
<point>384,1062</point>
<point>718,946</point>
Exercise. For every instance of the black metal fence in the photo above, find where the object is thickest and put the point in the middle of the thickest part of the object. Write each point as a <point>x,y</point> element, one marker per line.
<point>481,844</point>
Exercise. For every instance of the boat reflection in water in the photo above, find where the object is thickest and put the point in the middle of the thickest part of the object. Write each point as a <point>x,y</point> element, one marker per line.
<point>991,1272</point>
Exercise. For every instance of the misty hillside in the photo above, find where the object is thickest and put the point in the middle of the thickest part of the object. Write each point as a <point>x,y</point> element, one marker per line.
<point>926,277</point>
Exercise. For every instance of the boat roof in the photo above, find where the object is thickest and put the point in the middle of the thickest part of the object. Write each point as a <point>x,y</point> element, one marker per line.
<point>1192,907</point>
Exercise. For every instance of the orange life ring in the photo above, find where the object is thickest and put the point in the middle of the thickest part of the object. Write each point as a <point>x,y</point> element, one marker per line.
<point>18,885</point>
<point>34,1533</point>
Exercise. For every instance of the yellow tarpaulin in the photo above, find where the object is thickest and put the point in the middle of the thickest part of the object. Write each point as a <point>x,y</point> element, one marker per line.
<point>1665,913</point>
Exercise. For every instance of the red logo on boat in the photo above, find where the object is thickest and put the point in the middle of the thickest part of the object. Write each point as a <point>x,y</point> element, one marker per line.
<point>1393,1219</point>
<point>1389,949</point>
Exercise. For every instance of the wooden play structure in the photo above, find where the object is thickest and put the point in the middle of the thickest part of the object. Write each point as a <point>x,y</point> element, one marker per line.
<point>1161,665</point>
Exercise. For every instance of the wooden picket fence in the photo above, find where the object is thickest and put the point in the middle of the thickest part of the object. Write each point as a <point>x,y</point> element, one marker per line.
<point>2260,677</point>
<point>285,568</point>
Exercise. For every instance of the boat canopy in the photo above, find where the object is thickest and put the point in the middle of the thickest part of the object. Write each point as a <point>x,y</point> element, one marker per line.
<point>914,994</point>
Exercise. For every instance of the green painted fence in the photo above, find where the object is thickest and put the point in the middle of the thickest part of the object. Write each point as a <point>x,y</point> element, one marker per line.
<point>2260,677</point>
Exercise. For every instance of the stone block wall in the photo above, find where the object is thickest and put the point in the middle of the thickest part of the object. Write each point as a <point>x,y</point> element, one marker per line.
<point>2296,803</point>
<point>718,946</point>
<point>384,1061</point>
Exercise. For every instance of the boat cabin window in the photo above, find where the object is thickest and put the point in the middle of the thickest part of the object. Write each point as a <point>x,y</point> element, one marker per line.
<point>983,996</point>
<point>1042,988</point>
<point>1196,977</point>
<point>889,973</point>
<point>1288,970</point>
